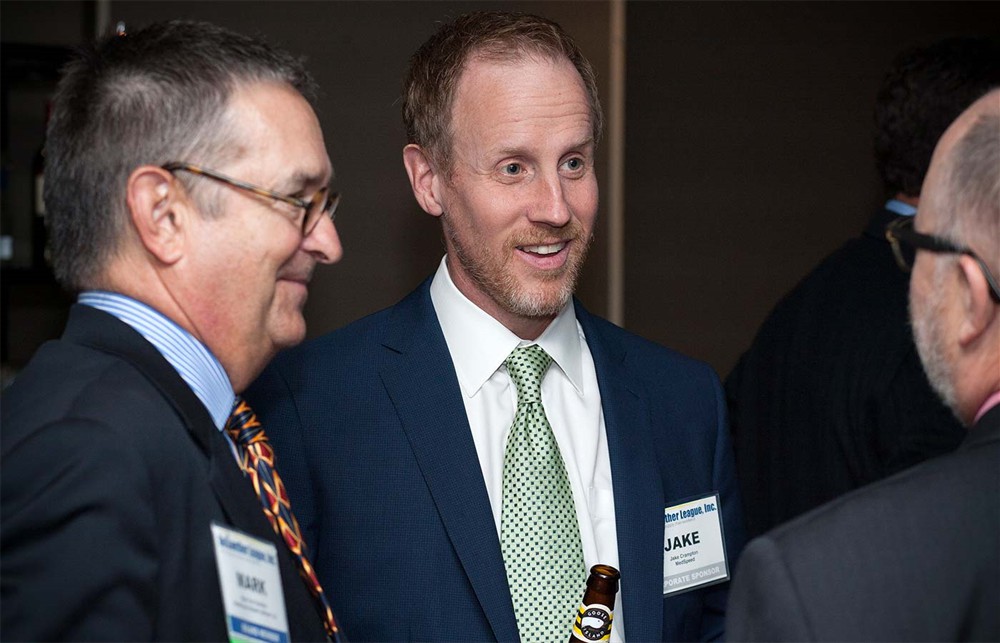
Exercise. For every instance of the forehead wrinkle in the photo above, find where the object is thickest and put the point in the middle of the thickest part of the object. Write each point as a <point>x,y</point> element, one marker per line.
<point>497,112</point>
<point>518,132</point>
<point>277,122</point>
<point>527,108</point>
<point>516,150</point>
<point>301,179</point>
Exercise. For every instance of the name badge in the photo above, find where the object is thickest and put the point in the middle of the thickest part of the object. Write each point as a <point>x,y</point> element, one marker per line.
<point>251,586</point>
<point>694,551</point>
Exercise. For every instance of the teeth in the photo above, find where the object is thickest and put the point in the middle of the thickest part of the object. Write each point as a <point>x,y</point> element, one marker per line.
<point>545,250</point>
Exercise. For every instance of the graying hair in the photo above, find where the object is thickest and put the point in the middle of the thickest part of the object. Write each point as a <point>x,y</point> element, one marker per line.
<point>156,96</point>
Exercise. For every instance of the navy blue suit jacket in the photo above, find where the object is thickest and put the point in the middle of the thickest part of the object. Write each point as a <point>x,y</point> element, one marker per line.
<point>111,474</point>
<point>376,450</point>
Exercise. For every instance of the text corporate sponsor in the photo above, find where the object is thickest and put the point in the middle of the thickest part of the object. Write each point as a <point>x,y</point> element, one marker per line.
<point>693,576</point>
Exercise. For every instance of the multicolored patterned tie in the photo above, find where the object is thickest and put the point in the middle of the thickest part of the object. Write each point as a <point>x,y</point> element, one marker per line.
<point>539,534</point>
<point>257,461</point>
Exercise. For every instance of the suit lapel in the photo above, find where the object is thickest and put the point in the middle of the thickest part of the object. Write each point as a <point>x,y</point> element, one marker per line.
<point>421,381</point>
<point>97,329</point>
<point>638,489</point>
<point>234,492</point>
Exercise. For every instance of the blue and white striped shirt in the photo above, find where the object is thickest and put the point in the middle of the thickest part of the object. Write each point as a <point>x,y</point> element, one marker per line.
<point>900,208</point>
<point>190,358</point>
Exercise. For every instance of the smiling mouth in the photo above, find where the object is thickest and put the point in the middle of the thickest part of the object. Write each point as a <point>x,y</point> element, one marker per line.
<point>300,273</point>
<point>544,250</point>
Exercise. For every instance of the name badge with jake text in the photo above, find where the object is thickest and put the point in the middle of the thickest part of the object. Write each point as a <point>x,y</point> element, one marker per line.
<point>694,548</point>
<point>251,587</point>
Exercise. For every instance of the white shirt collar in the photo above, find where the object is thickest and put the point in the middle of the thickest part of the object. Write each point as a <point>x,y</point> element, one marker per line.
<point>479,344</point>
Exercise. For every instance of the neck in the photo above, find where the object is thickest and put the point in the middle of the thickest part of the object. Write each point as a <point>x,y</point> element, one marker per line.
<point>524,326</point>
<point>988,403</point>
<point>528,329</point>
<point>158,288</point>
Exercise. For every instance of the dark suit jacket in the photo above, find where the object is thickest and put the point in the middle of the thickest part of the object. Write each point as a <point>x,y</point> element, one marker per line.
<point>831,395</point>
<point>915,557</point>
<point>375,442</point>
<point>112,472</point>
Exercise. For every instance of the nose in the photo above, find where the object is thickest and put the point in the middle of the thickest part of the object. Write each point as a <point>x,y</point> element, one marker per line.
<point>551,206</point>
<point>323,242</point>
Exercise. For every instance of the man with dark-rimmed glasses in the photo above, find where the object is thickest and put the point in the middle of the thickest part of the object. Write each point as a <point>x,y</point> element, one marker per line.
<point>915,556</point>
<point>906,241</point>
<point>140,498</point>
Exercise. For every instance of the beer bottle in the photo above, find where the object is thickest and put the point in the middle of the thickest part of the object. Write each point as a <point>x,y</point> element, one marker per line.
<point>593,619</point>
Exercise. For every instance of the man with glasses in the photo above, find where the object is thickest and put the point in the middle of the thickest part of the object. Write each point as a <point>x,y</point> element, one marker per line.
<point>905,241</point>
<point>831,396</point>
<point>915,556</point>
<point>465,456</point>
<point>188,202</point>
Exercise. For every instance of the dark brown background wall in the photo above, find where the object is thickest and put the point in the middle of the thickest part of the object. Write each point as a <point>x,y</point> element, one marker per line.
<point>749,151</point>
<point>358,52</point>
<point>747,142</point>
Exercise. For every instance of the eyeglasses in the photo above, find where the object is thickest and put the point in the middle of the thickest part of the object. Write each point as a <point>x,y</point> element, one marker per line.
<point>905,242</point>
<point>322,203</point>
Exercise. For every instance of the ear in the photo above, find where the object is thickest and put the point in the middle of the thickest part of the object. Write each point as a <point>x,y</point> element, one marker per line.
<point>153,198</point>
<point>424,179</point>
<point>979,311</point>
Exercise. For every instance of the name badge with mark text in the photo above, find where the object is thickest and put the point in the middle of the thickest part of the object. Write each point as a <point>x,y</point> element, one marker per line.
<point>251,587</point>
<point>694,548</point>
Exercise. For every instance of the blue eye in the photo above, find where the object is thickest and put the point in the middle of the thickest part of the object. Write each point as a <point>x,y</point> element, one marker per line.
<point>512,169</point>
<point>574,164</point>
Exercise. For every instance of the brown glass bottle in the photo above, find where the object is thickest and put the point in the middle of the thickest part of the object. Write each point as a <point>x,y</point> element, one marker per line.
<point>593,619</point>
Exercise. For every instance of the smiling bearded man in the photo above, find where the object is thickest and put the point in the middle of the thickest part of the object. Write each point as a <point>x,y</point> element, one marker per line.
<point>487,437</point>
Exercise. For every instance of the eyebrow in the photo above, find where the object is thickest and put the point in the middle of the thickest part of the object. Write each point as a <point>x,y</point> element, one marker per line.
<point>301,180</point>
<point>520,151</point>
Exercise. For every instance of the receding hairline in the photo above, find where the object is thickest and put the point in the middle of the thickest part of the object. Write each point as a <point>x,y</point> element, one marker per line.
<point>511,56</point>
<point>964,196</point>
<point>985,107</point>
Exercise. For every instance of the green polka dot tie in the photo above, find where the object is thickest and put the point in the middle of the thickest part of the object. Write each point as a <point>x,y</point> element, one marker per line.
<point>539,534</point>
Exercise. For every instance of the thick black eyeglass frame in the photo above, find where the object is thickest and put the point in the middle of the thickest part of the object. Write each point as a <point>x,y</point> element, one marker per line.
<point>324,202</point>
<point>900,232</point>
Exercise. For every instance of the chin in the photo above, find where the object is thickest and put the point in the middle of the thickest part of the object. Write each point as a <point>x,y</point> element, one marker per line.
<point>292,332</point>
<point>546,300</point>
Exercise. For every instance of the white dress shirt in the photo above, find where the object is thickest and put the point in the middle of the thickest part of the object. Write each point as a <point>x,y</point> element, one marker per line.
<point>479,344</point>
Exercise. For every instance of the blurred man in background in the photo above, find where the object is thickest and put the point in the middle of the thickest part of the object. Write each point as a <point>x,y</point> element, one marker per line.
<point>831,394</point>
<point>915,556</point>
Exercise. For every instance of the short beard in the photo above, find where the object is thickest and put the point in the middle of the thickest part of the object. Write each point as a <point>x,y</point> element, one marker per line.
<point>928,335</point>
<point>491,275</point>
